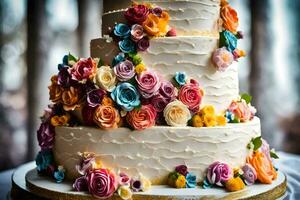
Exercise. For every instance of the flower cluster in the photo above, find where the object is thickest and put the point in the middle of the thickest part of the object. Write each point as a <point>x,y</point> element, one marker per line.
<point>240,110</point>
<point>228,52</point>
<point>102,183</point>
<point>207,117</point>
<point>182,178</point>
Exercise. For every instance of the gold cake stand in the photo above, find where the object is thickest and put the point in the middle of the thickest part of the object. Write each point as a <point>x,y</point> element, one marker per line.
<point>27,184</point>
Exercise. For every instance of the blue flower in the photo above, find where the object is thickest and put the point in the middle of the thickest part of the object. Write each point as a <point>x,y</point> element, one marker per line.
<point>190,180</point>
<point>43,160</point>
<point>206,184</point>
<point>127,46</point>
<point>59,175</point>
<point>180,78</point>
<point>122,30</point>
<point>126,96</point>
<point>119,58</point>
<point>228,40</point>
<point>229,116</point>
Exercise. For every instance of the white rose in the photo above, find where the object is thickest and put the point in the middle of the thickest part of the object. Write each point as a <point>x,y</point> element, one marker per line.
<point>177,114</point>
<point>105,78</point>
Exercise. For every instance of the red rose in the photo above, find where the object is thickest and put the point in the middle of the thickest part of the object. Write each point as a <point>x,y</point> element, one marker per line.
<point>83,70</point>
<point>191,95</point>
<point>137,14</point>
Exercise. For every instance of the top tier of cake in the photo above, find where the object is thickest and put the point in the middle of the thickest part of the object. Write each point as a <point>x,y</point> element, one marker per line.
<point>188,17</point>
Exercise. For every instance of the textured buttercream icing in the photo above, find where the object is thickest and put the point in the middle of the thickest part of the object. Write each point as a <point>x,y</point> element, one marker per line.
<point>188,17</point>
<point>155,151</point>
<point>189,54</point>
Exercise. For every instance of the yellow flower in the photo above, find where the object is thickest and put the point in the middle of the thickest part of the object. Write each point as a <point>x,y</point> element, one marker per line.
<point>221,120</point>
<point>125,192</point>
<point>234,184</point>
<point>197,121</point>
<point>146,183</point>
<point>60,120</point>
<point>209,120</point>
<point>180,182</point>
<point>208,110</point>
<point>97,164</point>
<point>140,68</point>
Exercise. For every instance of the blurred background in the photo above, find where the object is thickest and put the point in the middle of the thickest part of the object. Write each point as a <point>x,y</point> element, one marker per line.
<point>35,34</point>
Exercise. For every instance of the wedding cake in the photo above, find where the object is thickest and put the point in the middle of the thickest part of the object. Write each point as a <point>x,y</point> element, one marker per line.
<point>157,103</point>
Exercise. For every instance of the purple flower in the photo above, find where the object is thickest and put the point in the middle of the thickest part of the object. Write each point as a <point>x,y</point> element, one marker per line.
<point>136,185</point>
<point>168,90</point>
<point>94,97</point>
<point>80,184</point>
<point>64,78</point>
<point>265,149</point>
<point>182,169</point>
<point>45,136</point>
<point>87,113</point>
<point>218,173</point>
<point>143,44</point>
<point>124,70</point>
<point>157,11</point>
<point>86,163</point>
<point>148,83</point>
<point>137,32</point>
<point>249,174</point>
<point>159,102</point>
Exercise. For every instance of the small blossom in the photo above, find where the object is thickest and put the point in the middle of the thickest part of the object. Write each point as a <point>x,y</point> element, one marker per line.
<point>127,46</point>
<point>191,180</point>
<point>137,32</point>
<point>180,78</point>
<point>122,30</point>
<point>222,59</point>
<point>234,184</point>
<point>125,192</point>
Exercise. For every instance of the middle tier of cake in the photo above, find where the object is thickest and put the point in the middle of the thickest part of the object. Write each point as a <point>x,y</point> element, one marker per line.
<point>156,151</point>
<point>189,54</point>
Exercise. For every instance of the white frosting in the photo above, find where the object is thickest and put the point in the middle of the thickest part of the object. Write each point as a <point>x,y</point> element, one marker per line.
<point>188,17</point>
<point>155,152</point>
<point>189,54</point>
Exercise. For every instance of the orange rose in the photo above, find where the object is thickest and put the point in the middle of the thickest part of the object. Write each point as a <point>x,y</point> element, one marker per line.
<point>107,101</point>
<point>60,120</point>
<point>70,99</point>
<point>263,167</point>
<point>106,117</point>
<point>157,26</point>
<point>230,19</point>
<point>55,90</point>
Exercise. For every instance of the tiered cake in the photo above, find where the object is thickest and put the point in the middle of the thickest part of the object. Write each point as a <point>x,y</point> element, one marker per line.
<point>149,49</point>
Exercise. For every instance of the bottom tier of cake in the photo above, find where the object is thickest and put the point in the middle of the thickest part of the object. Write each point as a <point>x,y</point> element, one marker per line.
<point>155,152</point>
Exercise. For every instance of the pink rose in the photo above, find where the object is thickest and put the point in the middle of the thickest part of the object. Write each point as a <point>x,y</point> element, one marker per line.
<point>148,83</point>
<point>222,58</point>
<point>124,179</point>
<point>191,95</point>
<point>124,70</point>
<point>168,90</point>
<point>218,173</point>
<point>101,183</point>
<point>136,14</point>
<point>143,44</point>
<point>142,118</point>
<point>241,110</point>
<point>45,136</point>
<point>159,102</point>
<point>137,32</point>
<point>83,70</point>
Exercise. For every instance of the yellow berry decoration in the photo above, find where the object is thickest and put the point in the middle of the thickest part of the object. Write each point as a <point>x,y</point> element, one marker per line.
<point>197,121</point>
<point>221,120</point>
<point>234,184</point>
<point>208,110</point>
<point>209,120</point>
<point>140,68</point>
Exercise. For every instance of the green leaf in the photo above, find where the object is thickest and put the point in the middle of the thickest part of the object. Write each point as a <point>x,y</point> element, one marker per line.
<point>72,59</point>
<point>246,97</point>
<point>222,40</point>
<point>236,120</point>
<point>273,155</point>
<point>100,63</point>
<point>257,142</point>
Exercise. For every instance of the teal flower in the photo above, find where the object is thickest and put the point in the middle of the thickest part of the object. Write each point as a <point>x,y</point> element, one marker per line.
<point>190,180</point>
<point>228,40</point>
<point>127,46</point>
<point>126,96</point>
<point>59,175</point>
<point>180,78</point>
<point>122,30</point>
<point>119,58</point>
<point>43,160</point>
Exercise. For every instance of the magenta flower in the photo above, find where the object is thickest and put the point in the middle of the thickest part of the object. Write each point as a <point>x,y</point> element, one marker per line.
<point>191,95</point>
<point>218,173</point>
<point>80,184</point>
<point>249,174</point>
<point>94,97</point>
<point>86,164</point>
<point>124,70</point>
<point>148,84</point>
<point>124,179</point>
<point>182,169</point>
<point>136,14</point>
<point>83,70</point>
<point>45,135</point>
<point>143,44</point>
<point>159,102</point>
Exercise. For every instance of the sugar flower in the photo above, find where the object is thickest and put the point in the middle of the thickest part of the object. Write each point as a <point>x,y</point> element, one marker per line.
<point>101,183</point>
<point>172,32</point>
<point>124,179</point>
<point>241,110</point>
<point>136,14</point>
<point>249,174</point>
<point>118,58</point>
<point>127,46</point>
<point>182,169</point>
<point>180,181</point>
<point>137,32</point>
<point>70,98</point>
<point>55,90</point>
<point>209,120</point>
<point>140,68</point>
<point>80,184</point>
<point>125,192</point>
<point>122,30</point>
<point>87,113</point>
<point>64,78</point>
<point>45,136</point>
<point>142,118</point>
<point>191,180</point>
<point>157,11</point>
<point>180,78</point>
<point>105,78</point>
<point>83,70</point>
<point>228,40</point>
<point>126,96</point>
<point>159,102</point>
<point>43,160</point>
<point>59,174</point>
<point>197,121</point>
<point>218,173</point>
<point>62,120</point>
<point>124,70</point>
<point>94,97</point>
<point>229,18</point>
<point>222,59</point>
<point>143,44</point>
<point>191,95</point>
<point>168,91</point>
<point>86,163</point>
<point>265,149</point>
<point>234,184</point>
<point>148,83</point>
<point>177,114</point>
<point>157,26</point>
<point>136,185</point>
<point>107,117</point>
